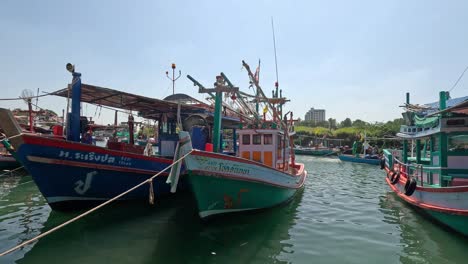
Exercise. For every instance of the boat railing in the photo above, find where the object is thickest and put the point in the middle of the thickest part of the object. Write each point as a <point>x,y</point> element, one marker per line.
<point>410,170</point>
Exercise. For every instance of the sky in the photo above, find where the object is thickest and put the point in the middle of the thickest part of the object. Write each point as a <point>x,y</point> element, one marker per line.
<point>354,59</point>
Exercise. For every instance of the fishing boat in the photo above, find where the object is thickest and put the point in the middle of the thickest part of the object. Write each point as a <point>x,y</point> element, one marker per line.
<point>322,146</point>
<point>318,151</point>
<point>368,159</point>
<point>262,173</point>
<point>369,154</point>
<point>71,173</point>
<point>432,175</point>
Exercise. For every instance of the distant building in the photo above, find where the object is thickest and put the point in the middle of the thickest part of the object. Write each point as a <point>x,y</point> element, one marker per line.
<point>316,115</point>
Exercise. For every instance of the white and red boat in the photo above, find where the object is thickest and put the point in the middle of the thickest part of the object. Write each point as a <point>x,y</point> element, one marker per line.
<point>435,178</point>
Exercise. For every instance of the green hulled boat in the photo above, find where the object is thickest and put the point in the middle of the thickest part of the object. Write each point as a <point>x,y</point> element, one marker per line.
<point>435,178</point>
<point>261,174</point>
<point>314,151</point>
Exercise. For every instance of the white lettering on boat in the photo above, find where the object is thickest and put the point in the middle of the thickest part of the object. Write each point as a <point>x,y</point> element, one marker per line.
<point>232,169</point>
<point>81,187</point>
<point>91,156</point>
<point>214,165</point>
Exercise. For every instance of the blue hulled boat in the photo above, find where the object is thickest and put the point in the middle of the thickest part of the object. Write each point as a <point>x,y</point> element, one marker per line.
<point>72,174</point>
<point>352,158</point>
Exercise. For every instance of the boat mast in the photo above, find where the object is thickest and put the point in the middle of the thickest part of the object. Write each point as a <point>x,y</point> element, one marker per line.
<point>74,120</point>
<point>280,107</point>
<point>222,84</point>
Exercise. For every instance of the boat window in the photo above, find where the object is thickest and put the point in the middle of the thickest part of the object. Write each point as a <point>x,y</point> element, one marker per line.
<point>267,139</point>
<point>164,128</point>
<point>246,139</point>
<point>257,139</point>
<point>456,122</point>
<point>435,144</point>
<point>458,143</point>
<point>279,153</point>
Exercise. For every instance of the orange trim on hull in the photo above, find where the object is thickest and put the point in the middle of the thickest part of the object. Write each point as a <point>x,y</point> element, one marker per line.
<point>456,189</point>
<point>424,205</point>
<point>235,177</point>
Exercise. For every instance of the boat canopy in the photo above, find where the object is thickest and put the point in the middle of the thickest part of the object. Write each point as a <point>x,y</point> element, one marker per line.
<point>450,102</point>
<point>426,121</point>
<point>149,108</point>
<point>460,108</point>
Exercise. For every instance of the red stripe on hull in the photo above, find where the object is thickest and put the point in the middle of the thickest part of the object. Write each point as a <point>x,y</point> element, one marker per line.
<point>242,160</point>
<point>90,165</point>
<point>424,205</point>
<point>236,177</point>
<point>44,141</point>
<point>431,189</point>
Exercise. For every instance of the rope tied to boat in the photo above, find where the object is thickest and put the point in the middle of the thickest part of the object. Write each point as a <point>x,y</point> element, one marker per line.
<point>151,193</point>
<point>10,172</point>
<point>150,180</point>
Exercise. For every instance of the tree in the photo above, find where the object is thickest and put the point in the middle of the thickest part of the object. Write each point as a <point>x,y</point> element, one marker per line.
<point>346,123</point>
<point>359,123</point>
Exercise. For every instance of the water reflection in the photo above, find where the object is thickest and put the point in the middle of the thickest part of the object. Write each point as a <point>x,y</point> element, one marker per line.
<point>22,212</point>
<point>346,214</point>
<point>134,232</point>
<point>421,240</point>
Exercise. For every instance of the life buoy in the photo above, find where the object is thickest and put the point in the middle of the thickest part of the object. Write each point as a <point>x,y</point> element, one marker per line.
<point>410,186</point>
<point>382,163</point>
<point>395,177</point>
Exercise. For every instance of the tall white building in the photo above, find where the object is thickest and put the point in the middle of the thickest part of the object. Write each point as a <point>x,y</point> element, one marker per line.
<point>316,115</point>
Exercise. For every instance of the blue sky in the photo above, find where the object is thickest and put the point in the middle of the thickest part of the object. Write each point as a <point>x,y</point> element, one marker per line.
<point>355,59</point>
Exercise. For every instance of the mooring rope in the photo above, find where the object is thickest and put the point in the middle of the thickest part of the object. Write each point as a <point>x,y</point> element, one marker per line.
<point>11,171</point>
<point>91,210</point>
<point>15,136</point>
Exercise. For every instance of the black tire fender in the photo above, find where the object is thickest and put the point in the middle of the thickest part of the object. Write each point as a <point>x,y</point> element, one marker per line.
<point>395,178</point>
<point>410,186</point>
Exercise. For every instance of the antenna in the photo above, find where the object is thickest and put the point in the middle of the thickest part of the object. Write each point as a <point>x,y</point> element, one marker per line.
<point>274,48</point>
<point>459,78</point>
<point>37,99</point>
<point>26,95</point>
<point>173,79</point>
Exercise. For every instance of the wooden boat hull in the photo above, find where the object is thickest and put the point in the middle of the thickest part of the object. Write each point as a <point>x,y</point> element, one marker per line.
<point>447,205</point>
<point>350,158</point>
<point>72,175</point>
<point>224,184</point>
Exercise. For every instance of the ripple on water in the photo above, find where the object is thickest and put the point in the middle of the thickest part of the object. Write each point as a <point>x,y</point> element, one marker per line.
<point>345,214</point>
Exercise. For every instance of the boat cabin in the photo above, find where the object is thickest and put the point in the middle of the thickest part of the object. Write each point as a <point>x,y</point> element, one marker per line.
<point>267,146</point>
<point>435,144</point>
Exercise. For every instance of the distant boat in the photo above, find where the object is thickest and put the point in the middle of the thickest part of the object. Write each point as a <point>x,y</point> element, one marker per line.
<point>319,151</point>
<point>351,155</point>
<point>435,178</point>
<point>373,160</point>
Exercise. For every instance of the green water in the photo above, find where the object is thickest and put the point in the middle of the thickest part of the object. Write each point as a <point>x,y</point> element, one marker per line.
<point>345,214</point>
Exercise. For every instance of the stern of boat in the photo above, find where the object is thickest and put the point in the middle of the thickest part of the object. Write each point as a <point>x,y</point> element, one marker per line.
<point>11,129</point>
